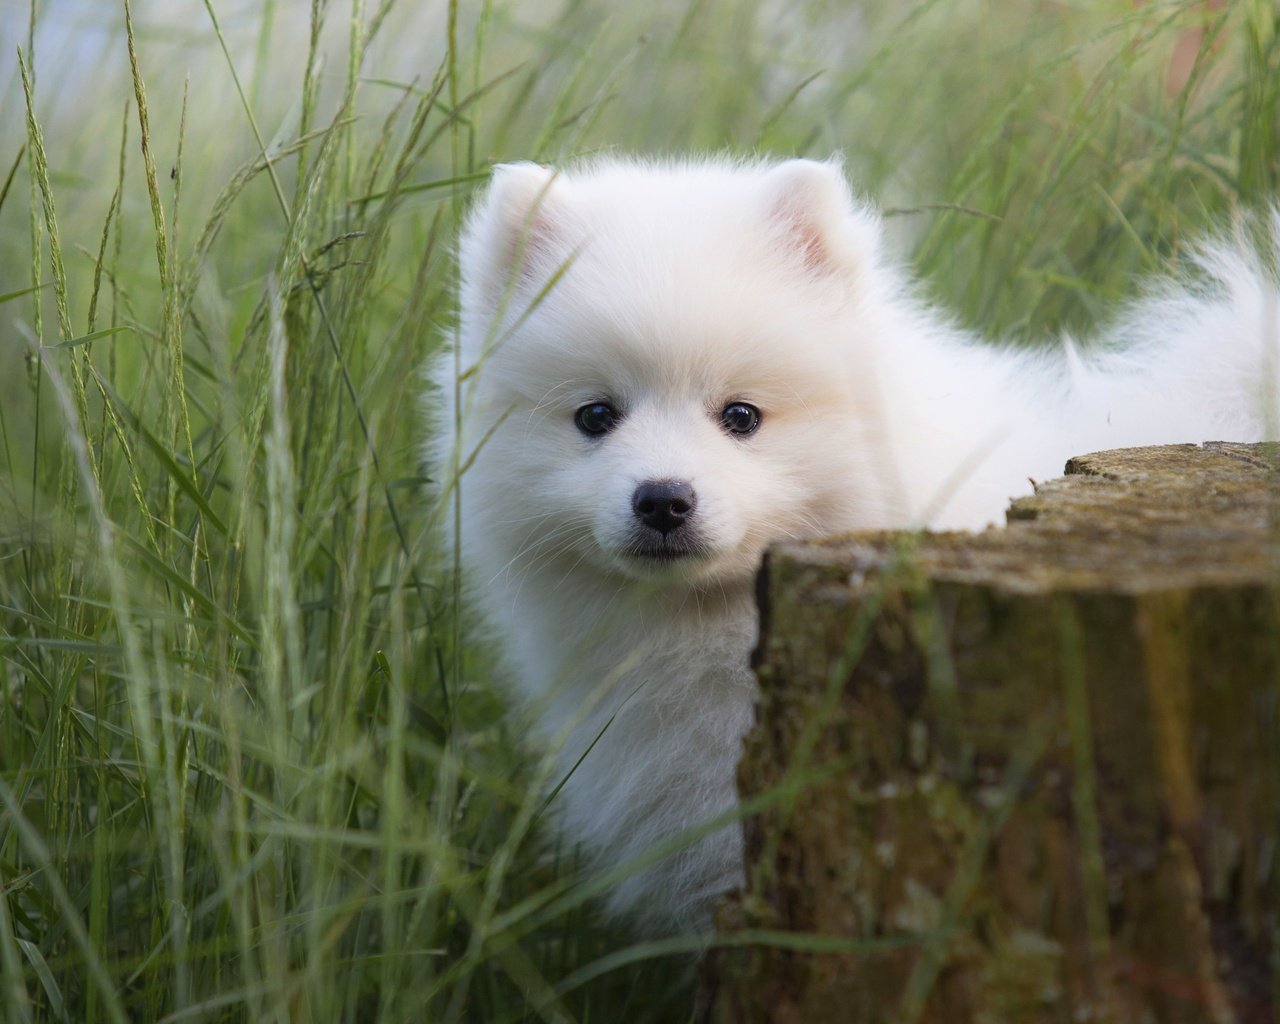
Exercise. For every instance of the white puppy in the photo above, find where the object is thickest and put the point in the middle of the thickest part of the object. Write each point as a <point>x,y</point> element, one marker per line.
<point>665,367</point>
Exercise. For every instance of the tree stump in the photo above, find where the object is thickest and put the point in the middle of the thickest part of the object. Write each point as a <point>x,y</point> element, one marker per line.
<point>1031,774</point>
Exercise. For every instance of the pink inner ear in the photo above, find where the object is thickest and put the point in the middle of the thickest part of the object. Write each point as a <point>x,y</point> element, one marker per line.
<point>529,243</point>
<point>808,243</point>
<point>808,240</point>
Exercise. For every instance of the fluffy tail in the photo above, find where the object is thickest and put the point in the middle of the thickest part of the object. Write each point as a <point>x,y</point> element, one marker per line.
<point>1198,357</point>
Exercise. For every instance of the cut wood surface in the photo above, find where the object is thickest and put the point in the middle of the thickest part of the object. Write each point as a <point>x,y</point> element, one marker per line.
<point>1031,774</point>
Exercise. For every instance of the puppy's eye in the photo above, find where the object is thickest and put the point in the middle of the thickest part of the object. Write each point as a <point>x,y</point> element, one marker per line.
<point>596,418</point>
<point>740,418</point>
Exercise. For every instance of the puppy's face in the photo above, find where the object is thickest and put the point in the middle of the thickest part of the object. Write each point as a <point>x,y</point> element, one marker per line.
<point>660,383</point>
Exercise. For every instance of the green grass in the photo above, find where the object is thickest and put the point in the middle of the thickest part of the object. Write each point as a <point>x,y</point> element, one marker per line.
<point>250,768</point>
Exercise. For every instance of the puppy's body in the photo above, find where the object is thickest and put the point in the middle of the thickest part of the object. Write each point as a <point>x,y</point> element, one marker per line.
<point>730,342</point>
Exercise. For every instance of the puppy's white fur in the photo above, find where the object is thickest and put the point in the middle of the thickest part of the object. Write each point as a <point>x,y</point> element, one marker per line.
<point>669,291</point>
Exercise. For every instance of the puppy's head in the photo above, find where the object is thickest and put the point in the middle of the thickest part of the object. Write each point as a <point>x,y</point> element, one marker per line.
<point>658,362</point>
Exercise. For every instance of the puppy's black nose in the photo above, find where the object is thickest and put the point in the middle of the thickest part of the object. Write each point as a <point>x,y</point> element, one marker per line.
<point>664,505</point>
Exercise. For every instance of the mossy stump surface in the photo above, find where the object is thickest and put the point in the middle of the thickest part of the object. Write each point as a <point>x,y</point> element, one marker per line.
<point>1031,774</point>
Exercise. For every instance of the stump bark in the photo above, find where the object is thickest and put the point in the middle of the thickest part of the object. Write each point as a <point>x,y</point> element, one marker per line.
<point>1031,774</point>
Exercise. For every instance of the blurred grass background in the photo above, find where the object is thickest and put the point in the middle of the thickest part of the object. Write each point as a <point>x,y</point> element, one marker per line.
<point>250,767</point>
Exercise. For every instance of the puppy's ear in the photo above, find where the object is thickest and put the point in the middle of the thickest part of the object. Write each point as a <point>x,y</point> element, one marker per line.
<point>510,232</point>
<point>823,229</point>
